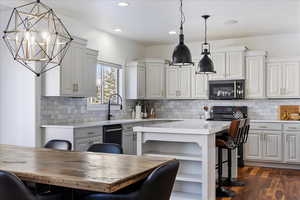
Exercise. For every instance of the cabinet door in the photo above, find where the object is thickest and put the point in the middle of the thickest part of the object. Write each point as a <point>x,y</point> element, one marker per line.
<point>68,73</point>
<point>127,143</point>
<point>141,73</point>
<point>134,144</point>
<point>255,78</point>
<point>272,143</point>
<point>155,73</point>
<point>172,82</point>
<point>90,75</point>
<point>253,148</point>
<point>291,147</point>
<point>235,65</point>
<point>82,144</point>
<point>80,71</point>
<point>184,86</point>
<point>274,80</point>
<point>291,79</point>
<point>219,60</point>
<point>200,86</point>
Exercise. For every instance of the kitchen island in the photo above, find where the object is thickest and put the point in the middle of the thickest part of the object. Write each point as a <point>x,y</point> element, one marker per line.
<point>192,142</point>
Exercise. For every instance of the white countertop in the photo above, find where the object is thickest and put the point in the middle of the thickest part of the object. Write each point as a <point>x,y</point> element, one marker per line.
<point>103,123</point>
<point>190,126</point>
<point>275,121</point>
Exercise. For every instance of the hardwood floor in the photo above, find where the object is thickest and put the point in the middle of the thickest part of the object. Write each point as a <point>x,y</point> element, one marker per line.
<point>268,184</point>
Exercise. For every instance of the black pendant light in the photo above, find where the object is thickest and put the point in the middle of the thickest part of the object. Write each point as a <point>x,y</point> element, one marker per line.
<point>181,55</point>
<point>206,65</point>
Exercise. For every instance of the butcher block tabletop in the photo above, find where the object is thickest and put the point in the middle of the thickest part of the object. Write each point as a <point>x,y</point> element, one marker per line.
<point>78,170</point>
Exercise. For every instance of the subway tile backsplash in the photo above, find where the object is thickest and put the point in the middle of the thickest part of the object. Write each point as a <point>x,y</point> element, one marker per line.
<point>190,109</point>
<point>62,109</point>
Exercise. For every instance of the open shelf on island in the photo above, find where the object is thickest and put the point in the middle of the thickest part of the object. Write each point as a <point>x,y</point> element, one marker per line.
<point>196,178</point>
<point>185,196</point>
<point>178,156</point>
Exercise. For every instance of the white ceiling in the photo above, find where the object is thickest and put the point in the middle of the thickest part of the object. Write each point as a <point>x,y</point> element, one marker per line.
<point>149,21</point>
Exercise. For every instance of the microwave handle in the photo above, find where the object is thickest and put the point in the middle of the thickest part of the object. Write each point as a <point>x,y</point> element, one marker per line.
<point>235,90</point>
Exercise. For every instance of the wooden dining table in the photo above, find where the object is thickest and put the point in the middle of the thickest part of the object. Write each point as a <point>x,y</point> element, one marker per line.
<point>96,172</point>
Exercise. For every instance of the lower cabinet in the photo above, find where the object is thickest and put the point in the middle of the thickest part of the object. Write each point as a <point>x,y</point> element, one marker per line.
<point>83,144</point>
<point>129,142</point>
<point>264,145</point>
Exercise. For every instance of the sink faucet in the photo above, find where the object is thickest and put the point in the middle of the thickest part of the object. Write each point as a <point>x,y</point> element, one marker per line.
<point>109,115</point>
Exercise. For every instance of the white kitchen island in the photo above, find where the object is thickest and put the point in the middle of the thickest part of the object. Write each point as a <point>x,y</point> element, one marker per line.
<point>192,142</point>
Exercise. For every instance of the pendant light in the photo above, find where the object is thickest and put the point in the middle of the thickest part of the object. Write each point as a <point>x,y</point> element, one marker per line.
<point>206,65</point>
<point>36,37</point>
<point>181,54</point>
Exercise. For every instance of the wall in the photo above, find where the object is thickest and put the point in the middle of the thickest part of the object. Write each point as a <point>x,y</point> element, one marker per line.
<point>18,110</point>
<point>193,109</point>
<point>286,45</point>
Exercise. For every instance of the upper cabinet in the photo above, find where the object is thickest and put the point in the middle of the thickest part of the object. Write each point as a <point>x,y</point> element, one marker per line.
<point>283,79</point>
<point>155,79</point>
<point>229,64</point>
<point>199,84</point>
<point>178,82</point>
<point>76,77</point>
<point>136,80</point>
<point>255,74</point>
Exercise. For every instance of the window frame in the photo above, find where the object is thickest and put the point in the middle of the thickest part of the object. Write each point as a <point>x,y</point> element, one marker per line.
<point>104,106</point>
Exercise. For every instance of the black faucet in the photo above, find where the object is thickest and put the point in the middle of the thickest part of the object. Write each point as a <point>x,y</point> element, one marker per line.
<point>109,115</point>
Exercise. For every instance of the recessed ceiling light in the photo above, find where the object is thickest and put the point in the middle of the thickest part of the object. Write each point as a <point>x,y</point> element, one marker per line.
<point>123,4</point>
<point>172,32</point>
<point>231,21</point>
<point>118,30</point>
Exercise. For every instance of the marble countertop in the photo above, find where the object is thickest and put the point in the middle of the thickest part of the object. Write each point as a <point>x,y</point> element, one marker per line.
<point>103,123</point>
<point>274,121</point>
<point>190,126</point>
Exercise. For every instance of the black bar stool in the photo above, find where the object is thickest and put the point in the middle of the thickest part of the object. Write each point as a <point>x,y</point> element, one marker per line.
<point>230,140</point>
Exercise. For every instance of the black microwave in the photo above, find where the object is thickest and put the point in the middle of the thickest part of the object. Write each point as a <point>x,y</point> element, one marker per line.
<point>227,90</point>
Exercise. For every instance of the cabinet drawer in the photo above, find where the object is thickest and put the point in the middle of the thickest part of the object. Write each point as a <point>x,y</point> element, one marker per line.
<point>88,132</point>
<point>266,126</point>
<point>291,127</point>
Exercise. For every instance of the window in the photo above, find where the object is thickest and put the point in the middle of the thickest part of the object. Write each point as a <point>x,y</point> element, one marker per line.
<point>108,83</point>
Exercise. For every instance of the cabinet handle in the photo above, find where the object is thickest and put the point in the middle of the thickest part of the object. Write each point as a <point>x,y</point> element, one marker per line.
<point>263,127</point>
<point>292,128</point>
<point>91,133</point>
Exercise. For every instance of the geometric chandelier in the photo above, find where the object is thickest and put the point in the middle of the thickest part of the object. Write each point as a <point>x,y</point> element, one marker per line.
<point>36,37</point>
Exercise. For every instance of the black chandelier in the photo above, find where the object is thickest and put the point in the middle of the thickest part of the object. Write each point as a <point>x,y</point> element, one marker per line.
<point>36,37</point>
<point>206,65</point>
<point>181,55</point>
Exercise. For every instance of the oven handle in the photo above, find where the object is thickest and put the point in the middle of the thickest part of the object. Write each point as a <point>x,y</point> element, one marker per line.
<point>235,92</point>
<point>113,130</point>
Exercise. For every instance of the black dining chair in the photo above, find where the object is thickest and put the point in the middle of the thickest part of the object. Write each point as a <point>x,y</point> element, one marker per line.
<point>59,145</point>
<point>106,148</point>
<point>157,186</point>
<point>12,188</point>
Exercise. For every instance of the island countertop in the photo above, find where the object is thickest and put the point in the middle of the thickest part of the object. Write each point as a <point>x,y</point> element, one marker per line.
<point>191,126</point>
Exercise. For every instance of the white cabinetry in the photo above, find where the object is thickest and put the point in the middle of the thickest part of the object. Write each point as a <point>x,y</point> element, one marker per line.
<point>155,80</point>
<point>292,143</point>
<point>81,138</point>
<point>265,143</point>
<point>75,76</point>
<point>199,85</point>
<point>136,80</point>
<point>283,79</point>
<point>229,64</point>
<point>178,82</point>
<point>255,74</point>
<point>129,139</point>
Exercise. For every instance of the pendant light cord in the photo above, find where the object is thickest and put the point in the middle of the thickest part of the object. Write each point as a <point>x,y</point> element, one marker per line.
<point>205,30</point>
<point>182,17</point>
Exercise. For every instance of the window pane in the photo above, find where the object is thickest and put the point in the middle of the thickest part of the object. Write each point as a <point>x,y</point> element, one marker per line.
<point>110,83</point>
<point>99,85</point>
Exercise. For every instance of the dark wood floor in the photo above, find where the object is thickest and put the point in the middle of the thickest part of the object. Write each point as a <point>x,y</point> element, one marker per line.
<point>268,184</point>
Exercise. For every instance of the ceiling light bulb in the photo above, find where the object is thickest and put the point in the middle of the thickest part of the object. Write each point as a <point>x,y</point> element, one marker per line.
<point>123,4</point>
<point>118,30</point>
<point>172,32</point>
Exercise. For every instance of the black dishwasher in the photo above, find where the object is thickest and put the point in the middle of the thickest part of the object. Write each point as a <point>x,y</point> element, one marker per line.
<point>112,134</point>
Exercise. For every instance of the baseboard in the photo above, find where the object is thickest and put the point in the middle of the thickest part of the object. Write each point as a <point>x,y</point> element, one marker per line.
<point>273,165</point>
